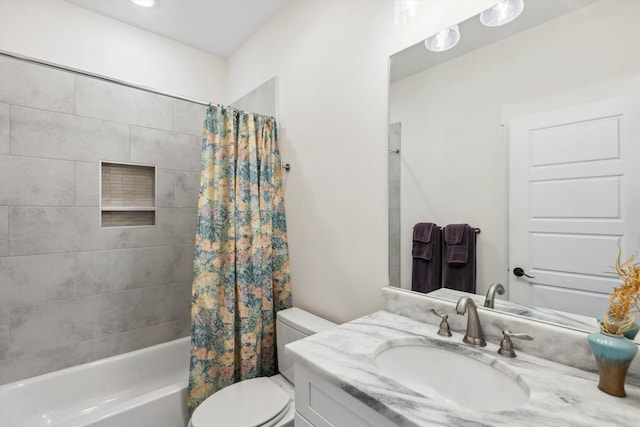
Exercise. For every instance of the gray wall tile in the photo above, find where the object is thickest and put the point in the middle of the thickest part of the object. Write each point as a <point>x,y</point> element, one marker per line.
<point>34,279</point>
<point>4,317</point>
<point>4,128</point>
<point>87,184</point>
<point>108,101</point>
<point>62,136</point>
<point>66,285</point>
<point>161,304</point>
<point>36,182</point>
<point>4,333</point>
<point>183,270</point>
<point>39,363</point>
<point>4,340</point>
<point>46,326</point>
<point>166,188</point>
<point>261,100</point>
<point>181,223</point>
<point>188,117</point>
<point>128,341</point>
<point>187,189</point>
<point>184,324</point>
<point>395,247</point>
<point>108,271</point>
<point>4,231</point>
<point>168,150</point>
<point>52,230</point>
<point>34,85</point>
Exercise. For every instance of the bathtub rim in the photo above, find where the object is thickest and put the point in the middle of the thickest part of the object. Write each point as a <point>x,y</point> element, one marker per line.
<point>87,365</point>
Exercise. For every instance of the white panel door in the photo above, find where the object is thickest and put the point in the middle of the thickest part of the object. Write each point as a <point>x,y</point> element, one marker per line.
<point>574,194</point>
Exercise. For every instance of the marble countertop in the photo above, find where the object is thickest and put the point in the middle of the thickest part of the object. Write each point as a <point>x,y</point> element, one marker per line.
<point>559,395</point>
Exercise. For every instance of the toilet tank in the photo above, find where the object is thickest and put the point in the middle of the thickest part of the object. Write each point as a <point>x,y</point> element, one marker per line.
<point>293,324</point>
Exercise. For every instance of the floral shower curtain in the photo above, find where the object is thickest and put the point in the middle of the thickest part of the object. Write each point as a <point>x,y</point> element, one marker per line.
<point>241,266</point>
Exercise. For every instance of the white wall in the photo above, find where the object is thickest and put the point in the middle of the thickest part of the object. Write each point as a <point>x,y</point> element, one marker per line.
<point>331,58</point>
<point>65,34</point>
<point>454,155</point>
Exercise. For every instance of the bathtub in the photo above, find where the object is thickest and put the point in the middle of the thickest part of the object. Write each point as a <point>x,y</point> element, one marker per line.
<point>143,388</point>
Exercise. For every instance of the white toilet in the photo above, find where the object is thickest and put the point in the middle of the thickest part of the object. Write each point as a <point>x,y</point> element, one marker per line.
<point>262,402</point>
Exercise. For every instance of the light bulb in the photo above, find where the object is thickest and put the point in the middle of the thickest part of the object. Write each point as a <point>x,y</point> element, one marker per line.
<point>443,40</point>
<point>502,13</point>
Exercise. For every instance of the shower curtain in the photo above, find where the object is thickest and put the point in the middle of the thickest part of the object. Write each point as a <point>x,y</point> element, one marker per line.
<point>241,266</point>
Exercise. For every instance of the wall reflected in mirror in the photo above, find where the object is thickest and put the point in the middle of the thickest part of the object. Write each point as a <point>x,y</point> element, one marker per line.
<point>449,114</point>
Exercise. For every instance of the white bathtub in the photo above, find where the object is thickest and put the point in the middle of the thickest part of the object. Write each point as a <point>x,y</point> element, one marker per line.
<point>143,388</point>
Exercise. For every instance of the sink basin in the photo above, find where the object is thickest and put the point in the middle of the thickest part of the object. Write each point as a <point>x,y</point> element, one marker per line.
<point>457,374</point>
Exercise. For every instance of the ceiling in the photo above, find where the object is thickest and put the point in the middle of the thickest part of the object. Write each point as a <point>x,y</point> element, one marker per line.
<point>474,35</point>
<point>218,27</point>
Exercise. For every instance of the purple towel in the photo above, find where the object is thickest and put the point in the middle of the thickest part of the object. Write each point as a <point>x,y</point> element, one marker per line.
<point>427,258</point>
<point>457,246</point>
<point>459,261</point>
<point>422,247</point>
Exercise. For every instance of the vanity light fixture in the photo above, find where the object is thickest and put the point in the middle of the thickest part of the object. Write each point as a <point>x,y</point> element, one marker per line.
<point>443,40</point>
<point>502,13</point>
<point>144,3</point>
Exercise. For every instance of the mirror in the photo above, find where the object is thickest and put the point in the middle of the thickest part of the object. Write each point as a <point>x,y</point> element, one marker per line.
<point>448,159</point>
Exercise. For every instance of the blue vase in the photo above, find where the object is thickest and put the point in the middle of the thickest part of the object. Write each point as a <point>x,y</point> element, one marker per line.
<point>613,354</point>
<point>631,334</point>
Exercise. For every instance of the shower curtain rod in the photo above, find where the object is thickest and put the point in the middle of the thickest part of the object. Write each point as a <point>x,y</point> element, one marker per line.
<point>103,78</point>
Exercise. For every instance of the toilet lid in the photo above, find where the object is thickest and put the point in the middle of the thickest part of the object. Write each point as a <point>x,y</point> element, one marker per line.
<point>249,403</point>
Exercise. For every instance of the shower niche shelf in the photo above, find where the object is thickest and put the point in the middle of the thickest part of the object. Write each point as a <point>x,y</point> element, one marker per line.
<point>127,195</point>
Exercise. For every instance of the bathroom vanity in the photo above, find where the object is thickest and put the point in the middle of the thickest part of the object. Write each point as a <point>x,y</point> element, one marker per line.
<point>343,379</point>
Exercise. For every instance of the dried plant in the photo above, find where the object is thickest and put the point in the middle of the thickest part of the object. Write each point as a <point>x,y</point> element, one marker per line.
<point>625,299</point>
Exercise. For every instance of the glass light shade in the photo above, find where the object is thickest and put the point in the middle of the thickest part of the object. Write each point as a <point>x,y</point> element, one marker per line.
<point>144,3</point>
<point>502,13</point>
<point>443,40</point>
<point>403,11</point>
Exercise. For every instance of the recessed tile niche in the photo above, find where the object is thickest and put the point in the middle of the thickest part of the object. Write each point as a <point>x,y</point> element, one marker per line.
<point>128,195</point>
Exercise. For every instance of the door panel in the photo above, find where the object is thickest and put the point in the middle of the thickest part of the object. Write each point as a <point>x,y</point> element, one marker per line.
<point>573,196</point>
<point>576,198</point>
<point>576,142</point>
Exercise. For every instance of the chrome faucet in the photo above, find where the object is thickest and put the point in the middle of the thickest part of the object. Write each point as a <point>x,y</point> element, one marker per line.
<point>491,294</point>
<point>474,335</point>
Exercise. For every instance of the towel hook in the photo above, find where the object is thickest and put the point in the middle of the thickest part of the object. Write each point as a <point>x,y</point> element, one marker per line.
<point>286,167</point>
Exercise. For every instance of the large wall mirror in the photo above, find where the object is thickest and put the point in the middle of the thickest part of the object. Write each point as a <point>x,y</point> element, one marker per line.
<point>564,70</point>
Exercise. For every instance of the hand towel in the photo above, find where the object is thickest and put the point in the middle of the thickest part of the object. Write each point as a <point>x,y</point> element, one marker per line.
<point>459,259</point>
<point>427,258</point>
<point>422,247</point>
<point>457,246</point>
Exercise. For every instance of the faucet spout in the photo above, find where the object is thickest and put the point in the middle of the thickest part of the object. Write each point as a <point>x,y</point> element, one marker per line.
<point>474,335</point>
<point>491,294</point>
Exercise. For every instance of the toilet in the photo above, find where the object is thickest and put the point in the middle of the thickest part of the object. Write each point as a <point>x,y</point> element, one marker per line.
<point>272,398</point>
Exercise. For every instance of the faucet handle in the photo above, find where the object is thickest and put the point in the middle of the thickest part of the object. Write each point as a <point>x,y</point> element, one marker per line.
<point>444,330</point>
<point>506,346</point>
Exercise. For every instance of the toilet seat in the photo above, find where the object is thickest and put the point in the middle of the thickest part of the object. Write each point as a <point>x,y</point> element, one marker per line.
<point>250,403</point>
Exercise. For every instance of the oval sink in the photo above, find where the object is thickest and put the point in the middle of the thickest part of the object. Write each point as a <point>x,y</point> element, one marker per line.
<point>473,379</point>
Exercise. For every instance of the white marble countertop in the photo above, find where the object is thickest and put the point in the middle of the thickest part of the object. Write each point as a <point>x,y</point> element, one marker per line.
<point>559,395</point>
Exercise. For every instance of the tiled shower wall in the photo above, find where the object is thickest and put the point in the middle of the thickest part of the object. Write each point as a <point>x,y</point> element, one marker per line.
<point>395,248</point>
<point>71,292</point>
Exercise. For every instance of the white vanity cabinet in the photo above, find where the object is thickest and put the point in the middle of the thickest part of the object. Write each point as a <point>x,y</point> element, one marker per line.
<point>339,382</point>
<point>322,404</point>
